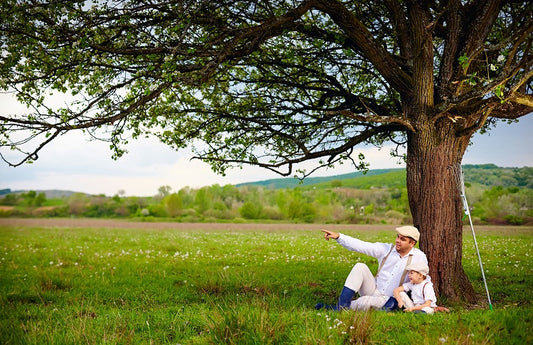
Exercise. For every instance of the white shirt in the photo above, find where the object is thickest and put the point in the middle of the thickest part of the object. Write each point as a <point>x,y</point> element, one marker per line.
<point>390,274</point>
<point>422,292</point>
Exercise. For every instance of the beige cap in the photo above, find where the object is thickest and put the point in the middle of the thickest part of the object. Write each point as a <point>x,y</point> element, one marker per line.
<point>409,231</point>
<point>419,267</point>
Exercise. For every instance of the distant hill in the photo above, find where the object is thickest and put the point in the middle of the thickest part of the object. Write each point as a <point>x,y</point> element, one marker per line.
<point>50,194</point>
<point>394,178</point>
<point>483,174</point>
<point>291,182</point>
<point>492,175</point>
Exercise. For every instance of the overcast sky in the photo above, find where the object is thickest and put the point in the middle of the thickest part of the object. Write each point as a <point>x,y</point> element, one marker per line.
<point>74,163</point>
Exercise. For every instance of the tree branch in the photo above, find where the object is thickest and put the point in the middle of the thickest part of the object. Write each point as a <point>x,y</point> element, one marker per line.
<point>366,45</point>
<point>372,117</point>
<point>335,154</point>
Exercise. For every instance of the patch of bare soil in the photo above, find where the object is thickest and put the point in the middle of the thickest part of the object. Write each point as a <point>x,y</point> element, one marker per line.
<point>125,224</point>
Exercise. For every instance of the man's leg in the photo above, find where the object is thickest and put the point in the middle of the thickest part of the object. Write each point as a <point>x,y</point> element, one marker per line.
<point>375,301</point>
<point>345,298</point>
<point>361,280</point>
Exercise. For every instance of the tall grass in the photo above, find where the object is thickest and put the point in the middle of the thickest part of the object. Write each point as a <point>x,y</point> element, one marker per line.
<point>131,286</point>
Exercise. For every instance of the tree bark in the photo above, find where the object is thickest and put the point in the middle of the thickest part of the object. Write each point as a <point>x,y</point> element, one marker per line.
<point>434,189</point>
<point>434,154</point>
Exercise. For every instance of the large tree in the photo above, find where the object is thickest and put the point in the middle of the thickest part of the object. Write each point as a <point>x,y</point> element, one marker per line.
<point>274,83</point>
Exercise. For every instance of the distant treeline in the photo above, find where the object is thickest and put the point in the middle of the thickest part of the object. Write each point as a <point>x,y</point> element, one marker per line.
<point>496,196</point>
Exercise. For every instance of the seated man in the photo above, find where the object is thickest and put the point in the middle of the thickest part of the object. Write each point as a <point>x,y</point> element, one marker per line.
<point>393,260</point>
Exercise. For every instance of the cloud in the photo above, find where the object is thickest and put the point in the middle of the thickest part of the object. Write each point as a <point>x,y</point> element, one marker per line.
<point>507,145</point>
<point>73,163</point>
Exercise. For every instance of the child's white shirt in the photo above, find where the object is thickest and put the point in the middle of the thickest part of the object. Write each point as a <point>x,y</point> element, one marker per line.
<point>422,292</point>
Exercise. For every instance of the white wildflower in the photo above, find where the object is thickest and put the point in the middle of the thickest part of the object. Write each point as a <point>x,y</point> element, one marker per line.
<point>500,58</point>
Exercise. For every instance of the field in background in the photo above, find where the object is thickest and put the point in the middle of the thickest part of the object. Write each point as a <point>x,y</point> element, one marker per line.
<point>169,283</point>
<point>497,196</point>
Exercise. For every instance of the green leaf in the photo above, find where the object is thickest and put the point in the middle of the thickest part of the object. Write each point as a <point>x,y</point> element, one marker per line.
<point>498,91</point>
<point>463,61</point>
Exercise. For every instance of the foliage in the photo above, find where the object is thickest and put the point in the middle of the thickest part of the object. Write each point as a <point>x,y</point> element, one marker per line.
<point>270,83</point>
<point>491,175</point>
<point>496,195</point>
<point>61,285</point>
<point>251,210</point>
<point>173,204</point>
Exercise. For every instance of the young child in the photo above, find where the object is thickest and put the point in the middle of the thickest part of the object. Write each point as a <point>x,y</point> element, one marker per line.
<point>422,293</point>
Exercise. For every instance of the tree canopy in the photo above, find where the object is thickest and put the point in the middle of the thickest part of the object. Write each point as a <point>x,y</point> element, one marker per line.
<point>271,83</point>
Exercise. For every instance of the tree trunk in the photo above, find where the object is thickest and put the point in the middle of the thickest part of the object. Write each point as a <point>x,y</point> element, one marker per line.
<point>434,156</point>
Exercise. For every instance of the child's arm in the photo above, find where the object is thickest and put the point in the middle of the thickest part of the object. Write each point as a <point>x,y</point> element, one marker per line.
<point>397,295</point>
<point>420,306</point>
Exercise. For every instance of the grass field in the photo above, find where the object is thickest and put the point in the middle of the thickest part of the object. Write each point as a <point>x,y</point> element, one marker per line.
<point>196,285</point>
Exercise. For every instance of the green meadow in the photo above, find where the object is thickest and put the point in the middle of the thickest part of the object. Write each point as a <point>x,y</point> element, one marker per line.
<point>71,285</point>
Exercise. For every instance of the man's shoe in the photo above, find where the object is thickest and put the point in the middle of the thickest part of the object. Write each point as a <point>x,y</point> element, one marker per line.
<point>319,306</point>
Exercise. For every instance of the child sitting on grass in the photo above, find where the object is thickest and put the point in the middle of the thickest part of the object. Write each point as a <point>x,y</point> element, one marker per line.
<point>422,293</point>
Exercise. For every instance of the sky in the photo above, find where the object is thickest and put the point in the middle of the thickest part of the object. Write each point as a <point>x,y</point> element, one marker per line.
<point>75,163</point>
